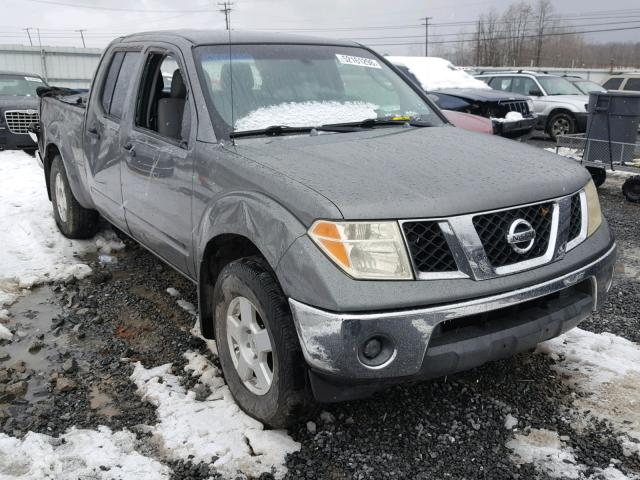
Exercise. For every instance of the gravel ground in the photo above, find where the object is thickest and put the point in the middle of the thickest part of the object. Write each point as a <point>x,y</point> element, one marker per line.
<point>77,340</point>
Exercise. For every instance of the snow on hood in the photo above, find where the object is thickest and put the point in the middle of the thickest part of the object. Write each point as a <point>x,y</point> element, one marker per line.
<point>437,73</point>
<point>303,114</point>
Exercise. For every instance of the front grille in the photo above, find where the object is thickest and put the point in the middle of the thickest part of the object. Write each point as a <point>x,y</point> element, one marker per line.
<point>575,222</point>
<point>519,106</point>
<point>428,247</point>
<point>18,121</point>
<point>493,228</point>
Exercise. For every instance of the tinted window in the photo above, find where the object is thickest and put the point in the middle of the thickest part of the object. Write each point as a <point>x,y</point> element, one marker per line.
<point>110,81</point>
<point>123,84</point>
<point>632,84</point>
<point>501,83</point>
<point>613,83</point>
<point>523,85</point>
<point>19,85</point>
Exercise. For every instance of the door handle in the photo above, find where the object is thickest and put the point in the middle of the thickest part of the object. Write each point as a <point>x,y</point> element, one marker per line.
<point>130,148</point>
<point>93,131</point>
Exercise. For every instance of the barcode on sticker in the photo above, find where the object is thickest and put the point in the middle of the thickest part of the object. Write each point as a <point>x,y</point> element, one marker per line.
<point>359,61</point>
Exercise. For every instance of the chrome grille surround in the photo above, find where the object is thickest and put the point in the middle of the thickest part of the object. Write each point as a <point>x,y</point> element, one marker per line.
<point>471,258</point>
<point>18,121</point>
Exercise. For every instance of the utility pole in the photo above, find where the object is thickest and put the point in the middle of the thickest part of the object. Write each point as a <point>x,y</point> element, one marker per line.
<point>82,30</point>
<point>29,34</point>
<point>426,35</point>
<point>226,9</point>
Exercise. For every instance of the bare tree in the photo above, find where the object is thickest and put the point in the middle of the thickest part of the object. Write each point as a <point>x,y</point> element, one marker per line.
<point>543,12</point>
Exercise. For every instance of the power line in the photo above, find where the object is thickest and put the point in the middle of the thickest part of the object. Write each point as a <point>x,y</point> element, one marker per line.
<point>97,7</point>
<point>514,37</point>
<point>82,30</point>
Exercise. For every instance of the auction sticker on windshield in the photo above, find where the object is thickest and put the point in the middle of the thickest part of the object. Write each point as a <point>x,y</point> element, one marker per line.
<point>359,61</point>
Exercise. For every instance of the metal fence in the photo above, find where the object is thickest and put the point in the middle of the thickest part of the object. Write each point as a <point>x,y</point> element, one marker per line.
<point>598,152</point>
<point>61,66</point>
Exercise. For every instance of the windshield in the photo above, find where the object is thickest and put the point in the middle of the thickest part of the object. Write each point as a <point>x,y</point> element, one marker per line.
<point>19,85</point>
<point>558,86</point>
<point>303,85</point>
<point>587,86</point>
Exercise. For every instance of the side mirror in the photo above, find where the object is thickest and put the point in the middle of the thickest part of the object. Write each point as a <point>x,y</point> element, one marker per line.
<point>534,92</point>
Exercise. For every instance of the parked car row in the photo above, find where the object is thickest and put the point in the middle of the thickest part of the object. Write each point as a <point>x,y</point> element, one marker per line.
<point>342,235</point>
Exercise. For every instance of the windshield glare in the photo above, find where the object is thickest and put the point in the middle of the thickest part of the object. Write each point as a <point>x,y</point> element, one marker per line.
<point>558,86</point>
<point>19,86</point>
<point>587,86</point>
<point>303,86</point>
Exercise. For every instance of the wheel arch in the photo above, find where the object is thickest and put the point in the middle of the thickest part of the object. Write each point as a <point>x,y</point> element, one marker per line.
<point>237,225</point>
<point>556,111</point>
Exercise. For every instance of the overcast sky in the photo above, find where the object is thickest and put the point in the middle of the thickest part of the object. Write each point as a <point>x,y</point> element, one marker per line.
<point>374,22</point>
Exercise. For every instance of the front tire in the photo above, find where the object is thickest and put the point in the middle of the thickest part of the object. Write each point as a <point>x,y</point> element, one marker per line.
<point>561,124</point>
<point>257,343</point>
<point>73,220</point>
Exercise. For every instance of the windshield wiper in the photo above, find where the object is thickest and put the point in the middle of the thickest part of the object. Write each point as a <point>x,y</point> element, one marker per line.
<point>276,130</point>
<point>375,122</point>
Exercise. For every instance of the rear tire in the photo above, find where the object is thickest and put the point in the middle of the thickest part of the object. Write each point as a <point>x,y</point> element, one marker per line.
<point>561,124</point>
<point>282,401</point>
<point>631,189</point>
<point>73,220</point>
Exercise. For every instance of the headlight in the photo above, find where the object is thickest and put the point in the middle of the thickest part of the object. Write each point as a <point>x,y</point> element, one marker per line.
<point>594,214</point>
<point>530,103</point>
<point>364,250</point>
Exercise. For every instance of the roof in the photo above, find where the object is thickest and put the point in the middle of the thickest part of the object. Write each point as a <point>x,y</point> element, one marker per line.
<point>20,74</point>
<point>207,37</point>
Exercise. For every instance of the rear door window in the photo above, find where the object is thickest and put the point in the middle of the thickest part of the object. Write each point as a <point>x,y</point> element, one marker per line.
<point>632,84</point>
<point>501,83</point>
<point>613,83</point>
<point>121,73</point>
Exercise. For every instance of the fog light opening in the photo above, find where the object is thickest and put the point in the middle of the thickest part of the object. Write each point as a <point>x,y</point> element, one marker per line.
<point>376,351</point>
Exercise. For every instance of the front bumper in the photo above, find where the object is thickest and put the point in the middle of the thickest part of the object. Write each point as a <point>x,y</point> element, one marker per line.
<point>444,339</point>
<point>15,141</point>
<point>514,129</point>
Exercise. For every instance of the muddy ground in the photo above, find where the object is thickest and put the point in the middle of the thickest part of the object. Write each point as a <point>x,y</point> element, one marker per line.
<point>75,341</point>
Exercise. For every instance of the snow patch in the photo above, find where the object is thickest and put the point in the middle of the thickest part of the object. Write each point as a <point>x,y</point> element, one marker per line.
<point>33,250</point>
<point>173,292</point>
<point>437,73</point>
<point>76,454</point>
<point>544,449</point>
<point>5,333</point>
<point>187,306</point>
<point>304,114</point>
<point>214,430</point>
<point>510,422</point>
<point>606,368</point>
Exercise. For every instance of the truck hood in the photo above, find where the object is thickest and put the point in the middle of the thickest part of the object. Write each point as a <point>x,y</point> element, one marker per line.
<point>395,173</point>
<point>480,94</point>
<point>11,102</point>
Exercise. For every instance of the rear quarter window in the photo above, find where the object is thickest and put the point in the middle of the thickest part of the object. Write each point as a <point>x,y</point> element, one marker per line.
<point>613,83</point>
<point>632,84</point>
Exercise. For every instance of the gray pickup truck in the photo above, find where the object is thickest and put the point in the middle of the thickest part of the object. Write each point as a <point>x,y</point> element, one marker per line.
<point>343,236</point>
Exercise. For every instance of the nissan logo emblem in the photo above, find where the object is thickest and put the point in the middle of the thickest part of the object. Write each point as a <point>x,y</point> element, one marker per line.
<point>521,236</point>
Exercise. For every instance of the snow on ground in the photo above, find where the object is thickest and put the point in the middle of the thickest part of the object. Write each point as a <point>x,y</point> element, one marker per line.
<point>77,454</point>
<point>214,430</point>
<point>549,454</point>
<point>33,250</point>
<point>437,73</point>
<point>607,368</point>
<point>303,114</point>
